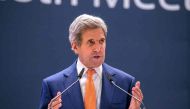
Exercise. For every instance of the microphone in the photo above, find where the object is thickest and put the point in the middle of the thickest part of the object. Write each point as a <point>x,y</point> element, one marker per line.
<point>111,80</point>
<point>79,77</point>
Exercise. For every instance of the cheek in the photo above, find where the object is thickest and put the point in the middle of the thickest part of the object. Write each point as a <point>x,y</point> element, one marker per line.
<point>86,52</point>
<point>103,48</point>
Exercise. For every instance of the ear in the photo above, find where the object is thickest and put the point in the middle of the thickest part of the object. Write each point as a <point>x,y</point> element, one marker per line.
<point>74,47</point>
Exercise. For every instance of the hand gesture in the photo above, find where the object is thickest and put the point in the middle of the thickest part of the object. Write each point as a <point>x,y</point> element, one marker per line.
<point>136,91</point>
<point>56,102</point>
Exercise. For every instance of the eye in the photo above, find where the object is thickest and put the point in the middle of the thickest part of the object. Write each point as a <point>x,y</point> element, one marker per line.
<point>101,41</point>
<point>91,42</point>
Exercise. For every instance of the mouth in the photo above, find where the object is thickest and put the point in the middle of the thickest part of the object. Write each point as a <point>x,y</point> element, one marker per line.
<point>96,57</point>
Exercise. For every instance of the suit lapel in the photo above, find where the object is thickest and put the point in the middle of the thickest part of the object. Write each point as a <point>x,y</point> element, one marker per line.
<point>74,92</point>
<point>107,88</point>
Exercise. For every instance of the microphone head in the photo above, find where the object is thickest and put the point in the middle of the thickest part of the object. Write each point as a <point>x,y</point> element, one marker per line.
<point>81,73</point>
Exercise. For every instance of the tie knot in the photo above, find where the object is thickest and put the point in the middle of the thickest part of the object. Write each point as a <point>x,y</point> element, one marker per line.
<point>90,72</point>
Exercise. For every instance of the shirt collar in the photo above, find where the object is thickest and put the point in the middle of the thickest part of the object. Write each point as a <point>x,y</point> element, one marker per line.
<point>80,66</point>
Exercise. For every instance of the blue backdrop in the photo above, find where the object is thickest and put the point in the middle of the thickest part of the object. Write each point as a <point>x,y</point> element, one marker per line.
<point>150,39</point>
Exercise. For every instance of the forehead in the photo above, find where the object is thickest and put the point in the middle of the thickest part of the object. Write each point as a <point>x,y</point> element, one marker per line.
<point>96,34</point>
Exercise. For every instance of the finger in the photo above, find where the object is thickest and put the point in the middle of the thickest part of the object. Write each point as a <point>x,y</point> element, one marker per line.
<point>137,102</point>
<point>56,100</point>
<point>138,90</point>
<point>58,93</point>
<point>58,96</point>
<point>57,106</point>
<point>138,84</point>
<point>137,93</point>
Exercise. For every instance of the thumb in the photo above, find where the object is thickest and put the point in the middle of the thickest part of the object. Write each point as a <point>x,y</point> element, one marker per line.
<point>138,84</point>
<point>59,94</point>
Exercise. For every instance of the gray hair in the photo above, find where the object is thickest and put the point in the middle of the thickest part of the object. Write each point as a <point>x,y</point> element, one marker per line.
<point>82,23</point>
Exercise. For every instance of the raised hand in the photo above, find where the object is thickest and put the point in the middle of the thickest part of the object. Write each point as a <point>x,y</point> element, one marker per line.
<point>56,102</point>
<point>136,91</point>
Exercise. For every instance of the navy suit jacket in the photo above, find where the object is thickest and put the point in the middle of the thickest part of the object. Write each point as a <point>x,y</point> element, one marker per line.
<point>111,96</point>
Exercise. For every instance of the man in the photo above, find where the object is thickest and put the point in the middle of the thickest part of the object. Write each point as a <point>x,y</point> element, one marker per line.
<point>87,35</point>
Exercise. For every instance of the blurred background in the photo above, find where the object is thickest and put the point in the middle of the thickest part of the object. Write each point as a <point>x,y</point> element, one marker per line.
<point>149,39</point>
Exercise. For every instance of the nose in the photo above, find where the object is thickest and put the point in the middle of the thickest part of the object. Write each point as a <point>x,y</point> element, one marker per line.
<point>97,47</point>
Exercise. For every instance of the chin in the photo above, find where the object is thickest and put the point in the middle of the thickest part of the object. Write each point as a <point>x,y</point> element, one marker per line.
<point>94,64</point>
<point>97,64</point>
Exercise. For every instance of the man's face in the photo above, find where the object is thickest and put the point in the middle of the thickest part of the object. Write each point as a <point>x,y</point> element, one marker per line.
<point>91,52</point>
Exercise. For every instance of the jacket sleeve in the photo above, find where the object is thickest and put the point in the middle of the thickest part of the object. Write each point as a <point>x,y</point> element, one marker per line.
<point>45,96</point>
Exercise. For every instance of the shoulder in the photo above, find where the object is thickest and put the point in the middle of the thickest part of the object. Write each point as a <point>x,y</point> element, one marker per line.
<point>59,75</point>
<point>117,72</point>
<point>123,79</point>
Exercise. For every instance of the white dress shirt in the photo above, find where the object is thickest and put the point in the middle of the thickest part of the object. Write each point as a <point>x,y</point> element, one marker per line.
<point>97,78</point>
